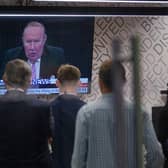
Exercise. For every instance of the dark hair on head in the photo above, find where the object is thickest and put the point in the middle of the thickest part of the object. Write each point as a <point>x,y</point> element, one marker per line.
<point>68,73</point>
<point>106,72</point>
<point>17,74</point>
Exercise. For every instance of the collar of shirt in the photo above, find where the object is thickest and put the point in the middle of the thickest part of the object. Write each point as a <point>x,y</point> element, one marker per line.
<point>37,67</point>
<point>67,93</point>
<point>18,89</point>
<point>37,61</point>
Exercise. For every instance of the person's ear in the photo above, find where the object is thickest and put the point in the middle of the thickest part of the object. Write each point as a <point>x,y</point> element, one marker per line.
<point>58,84</point>
<point>78,83</point>
<point>30,79</point>
<point>101,85</point>
<point>4,78</point>
<point>45,38</point>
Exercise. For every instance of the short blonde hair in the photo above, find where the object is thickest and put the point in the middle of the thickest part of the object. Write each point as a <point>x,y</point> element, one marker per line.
<point>68,73</point>
<point>17,74</point>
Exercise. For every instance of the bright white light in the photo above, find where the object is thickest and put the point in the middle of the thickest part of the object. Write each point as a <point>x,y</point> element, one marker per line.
<point>67,15</point>
<point>109,1</point>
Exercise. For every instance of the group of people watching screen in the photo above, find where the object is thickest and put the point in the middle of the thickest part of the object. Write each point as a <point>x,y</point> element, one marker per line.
<point>66,132</point>
<point>79,133</point>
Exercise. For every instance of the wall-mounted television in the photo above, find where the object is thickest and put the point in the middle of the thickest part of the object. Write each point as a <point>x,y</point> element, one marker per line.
<point>70,29</point>
<point>70,38</point>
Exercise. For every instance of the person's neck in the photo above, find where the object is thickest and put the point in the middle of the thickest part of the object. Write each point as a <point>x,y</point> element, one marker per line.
<point>68,90</point>
<point>106,91</point>
<point>9,88</point>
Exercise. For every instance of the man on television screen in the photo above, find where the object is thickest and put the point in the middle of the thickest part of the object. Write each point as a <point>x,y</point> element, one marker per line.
<point>44,59</point>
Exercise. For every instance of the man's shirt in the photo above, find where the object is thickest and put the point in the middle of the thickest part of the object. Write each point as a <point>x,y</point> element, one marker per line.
<point>95,138</point>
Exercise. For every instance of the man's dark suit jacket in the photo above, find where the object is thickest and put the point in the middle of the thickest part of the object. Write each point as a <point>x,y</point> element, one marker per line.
<point>24,131</point>
<point>163,132</point>
<point>64,108</point>
<point>51,59</point>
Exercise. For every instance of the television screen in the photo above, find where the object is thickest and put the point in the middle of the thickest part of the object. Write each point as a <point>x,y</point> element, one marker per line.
<point>68,39</point>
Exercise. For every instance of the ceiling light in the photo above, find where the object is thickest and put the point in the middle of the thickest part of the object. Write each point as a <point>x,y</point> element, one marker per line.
<point>108,1</point>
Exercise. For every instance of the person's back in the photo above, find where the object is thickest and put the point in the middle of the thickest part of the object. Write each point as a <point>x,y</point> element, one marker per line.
<point>24,130</point>
<point>24,122</point>
<point>100,133</point>
<point>64,109</point>
<point>96,129</point>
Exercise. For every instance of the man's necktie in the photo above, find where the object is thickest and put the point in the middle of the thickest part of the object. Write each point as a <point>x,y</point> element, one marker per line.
<point>33,71</point>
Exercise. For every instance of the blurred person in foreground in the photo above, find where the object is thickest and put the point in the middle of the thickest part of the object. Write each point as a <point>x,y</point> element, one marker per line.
<point>64,109</point>
<point>94,138</point>
<point>24,122</point>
